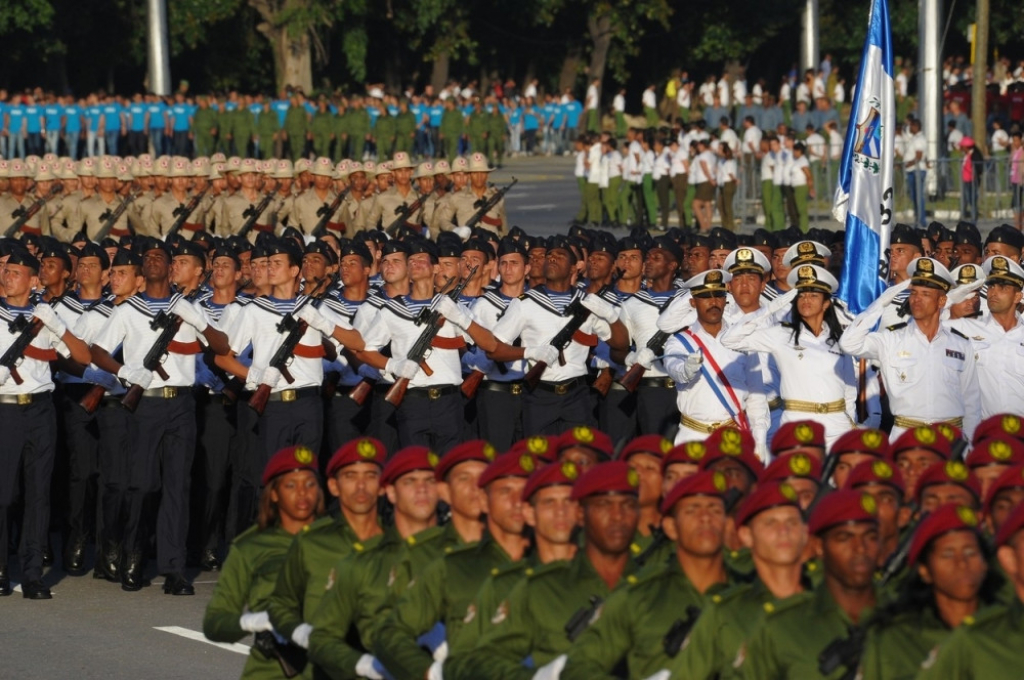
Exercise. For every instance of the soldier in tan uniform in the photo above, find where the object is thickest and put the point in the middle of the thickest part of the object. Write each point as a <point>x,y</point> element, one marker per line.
<point>97,208</point>
<point>163,212</point>
<point>425,182</point>
<point>18,199</point>
<point>307,209</point>
<point>477,190</point>
<point>218,194</point>
<point>369,195</point>
<point>233,207</point>
<point>64,220</point>
<point>454,181</point>
<point>359,180</point>
<point>284,192</point>
<point>387,204</point>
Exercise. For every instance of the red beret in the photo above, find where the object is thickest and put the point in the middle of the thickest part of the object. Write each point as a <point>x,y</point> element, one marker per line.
<point>862,440</point>
<point>952,433</point>
<point>407,460</point>
<point>875,472</point>
<point>949,517</point>
<point>1001,424</point>
<point>654,444</point>
<point>764,497</point>
<point>289,460</point>
<point>609,477</point>
<point>509,464</point>
<point>793,465</point>
<point>362,450</point>
<point>732,442</point>
<point>1013,524</point>
<point>996,450</point>
<point>840,507</point>
<point>948,472</point>
<point>687,452</point>
<point>926,437</point>
<point>587,437</point>
<point>701,484</point>
<point>538,446</point>
<point>1012,478</point>
<point>565,472</point>
<point>474,449</point>
<point>798,433</point>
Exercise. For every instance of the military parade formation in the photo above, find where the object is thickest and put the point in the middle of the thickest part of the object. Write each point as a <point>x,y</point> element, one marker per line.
<point>416,441</point>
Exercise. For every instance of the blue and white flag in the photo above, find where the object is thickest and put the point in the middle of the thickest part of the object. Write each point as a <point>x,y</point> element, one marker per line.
<point>864,197</point>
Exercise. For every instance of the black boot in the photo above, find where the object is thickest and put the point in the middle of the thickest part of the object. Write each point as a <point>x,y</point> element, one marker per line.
<point>5,582</point>
<point>209,560</point>
<point>74,555</point>
<point>108,562</point>
<point>131,572</point>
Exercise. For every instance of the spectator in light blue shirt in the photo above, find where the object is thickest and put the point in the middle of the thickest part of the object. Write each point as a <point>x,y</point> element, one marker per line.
<point>280,106</point>
<point>572,110</point>
<point>52,113</point>
<point>181,125</point>
<point>72,123</point>
<point>156,123</point>
<point>94,142</point>
<point>3,123</point>
<point>15,117</point>
<point>112,124</point>
<point>136,114</point>
<point>33,127</point>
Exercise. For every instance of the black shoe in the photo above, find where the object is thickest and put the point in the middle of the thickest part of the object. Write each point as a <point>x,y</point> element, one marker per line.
<point>48,555</point>
<point>35,590</point>
<point>209,561</point>
<point>74,556</point>
<point>108,563</point>
<point>5,582</point>
<point>131,572</point>
<point>176,584</point>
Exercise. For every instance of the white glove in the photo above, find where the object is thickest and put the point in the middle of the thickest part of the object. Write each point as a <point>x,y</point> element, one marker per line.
<point>552,670</point>
<point>782,302</point>
<point>300,635</point>
<point>541,353</point>
<point>660,675</point>
<point>5,374</point>
<point>962,293</point>
<point>436,671</point>
<point>136,376</point>
<point>451,310</point>
<point>601,308</point>
<point>691,367</point>
<point>255,622</point>
<point>890,293</point>
<point>186,311</point>
<point>100,377</point>
<point>50,319</point>
<point>402,368</point>
<point>262,376</point>
<point>441,652</point>
<point>646,357</point>
<point>315,320</point>
<point>366,667</point>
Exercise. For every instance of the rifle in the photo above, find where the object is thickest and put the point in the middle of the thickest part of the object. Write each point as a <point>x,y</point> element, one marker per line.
<point>110,217</point>
<point>24,214</point>
<point>896,561</point>
<point>843,652</point>
<point>361,391</point>
<point>581,619</point>
<point>168,325</point>
<point>292,659</point>
<point>294,329</point>
<point>28,328</point>
<point>679,631</point>
<point>655,343</point>
<point>862,390</point>
<point>484,205</point>
<point>432,320</point>
<point>578,315</point>
<point>403,211</point>
<point>325,211</point>
<point>182,212</point>
<point>253,213</point>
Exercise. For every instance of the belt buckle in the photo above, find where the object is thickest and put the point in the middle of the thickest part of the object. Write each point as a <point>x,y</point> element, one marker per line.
<point>24,399</point>
<point>561,389</point>
<point>434,393</point>
<point>288,395</point>
<point>516,389</point>
<point>170,392</point>
<point>821,408</point>
<point>670,384</point>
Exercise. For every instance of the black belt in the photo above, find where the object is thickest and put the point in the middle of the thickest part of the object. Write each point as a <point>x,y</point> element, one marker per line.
<point>562,387</point>
<point>432,392</point>
<point>287,396</point>
<point>24,399</point>
<point>167,392</point>
<point>514,387</point>
<point>663,383</point>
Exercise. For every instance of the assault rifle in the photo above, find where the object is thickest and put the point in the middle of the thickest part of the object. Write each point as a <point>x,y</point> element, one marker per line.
<point>656,343</point>
<point>253,213</point>
<point>24,214</point>
<point>485,205</point>
<point>403,212</point>
<point>183,212</point>
<point>110,217</point>
<point>326,211</point>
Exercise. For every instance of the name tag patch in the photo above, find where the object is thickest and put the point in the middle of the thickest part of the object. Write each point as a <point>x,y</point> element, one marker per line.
<point>955,354</point>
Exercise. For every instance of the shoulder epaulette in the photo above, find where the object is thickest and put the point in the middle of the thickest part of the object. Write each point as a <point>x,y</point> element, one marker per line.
<point>425,536</point>
<point>542,569</point>
<point>774,608</point>
<point>786,324</point>
<point>954,331</point>
<point>896,326</point>
<point>731,593</point>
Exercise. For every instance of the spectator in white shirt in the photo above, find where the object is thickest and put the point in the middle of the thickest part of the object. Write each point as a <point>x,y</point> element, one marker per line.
<point>649,101</point>
<point>619,110</point>
<point>680,169</point>
<point>662,177</point>
<point>703,172</point>
<point>751,138</point>
<point>613,195</point>
<point>727,137</point>
<point>802,184</point>
<point>726,179</point>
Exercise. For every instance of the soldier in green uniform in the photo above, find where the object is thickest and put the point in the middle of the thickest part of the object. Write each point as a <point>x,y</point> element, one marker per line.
<point>353,476</point>
<point>322,128</point>
<point>244,126</point>
<point>405,128</point>
<point>358,129</point>
<point>791,638</point>
<point>987,646</point>
<point>644,454</point>
<point>290,501</point>
<point>951,581</point>
<point>363,580</point>
<point>549,609</point>
<point>638,620</point>
<point>341,131</point>
<point>771,525</point>
<point>266,132</point>
<point>296,127</point>
<point>444,591</point>
<point>384,134</point>
<point>477,128</point>
<point>883,481</point>
<point>451,130</point>
<point>496,129</point>
<point>204,123</point>
<point>225,128</point>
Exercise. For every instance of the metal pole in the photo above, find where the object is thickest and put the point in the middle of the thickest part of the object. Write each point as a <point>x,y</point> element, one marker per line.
<point>158,52</point>
<point>809,45</point>
<point>929,79</point>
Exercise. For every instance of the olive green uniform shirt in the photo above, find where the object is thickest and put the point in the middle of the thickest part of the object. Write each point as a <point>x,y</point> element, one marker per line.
<point>896,650</point>
<point>985,648</point>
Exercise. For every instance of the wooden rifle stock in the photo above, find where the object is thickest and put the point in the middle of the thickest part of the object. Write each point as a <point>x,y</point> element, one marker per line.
<point>258,401</point>
<point>862,391</point>
<point>603,383</point>
<point>361,392</point>
<point>471,383</point>
<point>396,393</point>
<point>92,399</point>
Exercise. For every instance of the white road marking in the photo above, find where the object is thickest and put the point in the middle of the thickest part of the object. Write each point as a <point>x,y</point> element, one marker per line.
<point>199,637</point>
<point>546,206</point>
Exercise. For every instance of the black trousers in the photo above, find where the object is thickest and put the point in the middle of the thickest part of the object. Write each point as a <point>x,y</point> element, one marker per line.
<point>616,413</point>
<point>656,409</point>
<point>344,419</point>
<point>30,440</point>
<point>499,416</point>
<point>383,419</point>
<point>288,423</point>
<point>247,463</point>
<point>547,412</point>
<point>83,446</point>
<point>436,423</point>
<point>163,446</point>
<point>216,425</point>
<point>115,458</point>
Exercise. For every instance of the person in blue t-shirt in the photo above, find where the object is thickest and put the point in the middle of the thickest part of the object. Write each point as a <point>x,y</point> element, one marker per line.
<point>3,124</point>
<point>532,117</point>
<point>573,110</point>
<point>281,105</point>
<point>113,126</point>
<point>156,123</point>
<point>136,113</point>
<point>515,127</point>
<point>33,127</point>
<point>181,126</point>
<point>436,112</point>
<point>52,113</point>
<point>72,115</point>
<point>15,124</point>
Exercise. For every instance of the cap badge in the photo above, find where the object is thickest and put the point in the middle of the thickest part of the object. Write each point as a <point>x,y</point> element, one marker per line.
<point>526,463</point>
<point>366,449</point>
<point>303,455</point>
<point>881,469</point>
<point>569,470</point>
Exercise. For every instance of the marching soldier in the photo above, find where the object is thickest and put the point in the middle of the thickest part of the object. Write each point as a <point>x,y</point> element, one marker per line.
<point>310,206</point>
<point>388,204</point>
<point>17,200</point>
<point>97,209</point>
<point>161,214</point>
<point>234,207</point>
<point>466,201</point>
